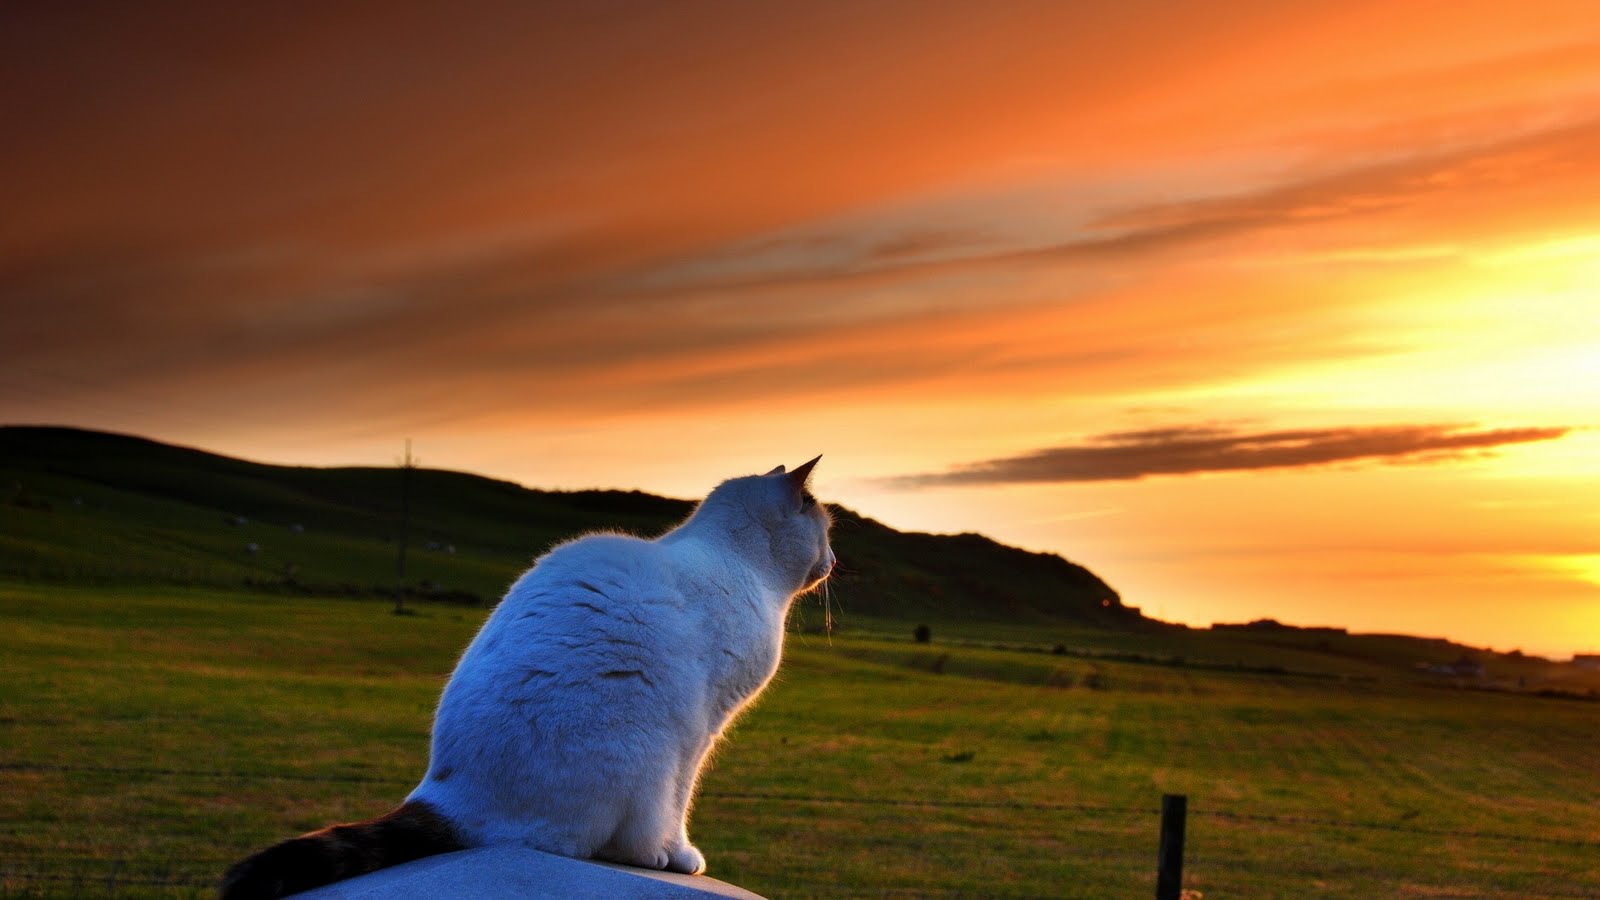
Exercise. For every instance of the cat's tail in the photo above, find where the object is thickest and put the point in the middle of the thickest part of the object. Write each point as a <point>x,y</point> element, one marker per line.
<point>412,831</point>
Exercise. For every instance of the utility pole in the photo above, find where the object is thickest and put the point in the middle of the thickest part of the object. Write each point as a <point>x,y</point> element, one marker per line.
<point>406,465</point>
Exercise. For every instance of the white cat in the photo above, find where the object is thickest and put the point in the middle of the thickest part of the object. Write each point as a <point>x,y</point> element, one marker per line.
<point>579,718</point>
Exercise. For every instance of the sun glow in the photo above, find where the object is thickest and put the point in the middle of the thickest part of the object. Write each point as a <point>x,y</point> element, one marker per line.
<point>1582,566</point>
<point>1507,335</point>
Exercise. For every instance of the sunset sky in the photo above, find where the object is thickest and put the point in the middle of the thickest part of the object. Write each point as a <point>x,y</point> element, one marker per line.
<point>1256,309</point>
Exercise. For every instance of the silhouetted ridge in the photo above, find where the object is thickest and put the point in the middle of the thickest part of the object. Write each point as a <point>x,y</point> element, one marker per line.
<point>143,510</point>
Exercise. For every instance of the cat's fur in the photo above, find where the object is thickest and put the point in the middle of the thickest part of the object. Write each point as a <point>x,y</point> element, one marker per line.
<point>579,718</point>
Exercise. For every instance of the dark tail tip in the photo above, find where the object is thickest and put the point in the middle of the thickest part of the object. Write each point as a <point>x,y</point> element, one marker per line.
<point>339,852</point>
<point>269,874</point>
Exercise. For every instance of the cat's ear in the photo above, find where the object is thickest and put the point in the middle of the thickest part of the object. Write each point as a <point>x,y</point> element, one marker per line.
<point>777,471</point>
<point>802,474</point>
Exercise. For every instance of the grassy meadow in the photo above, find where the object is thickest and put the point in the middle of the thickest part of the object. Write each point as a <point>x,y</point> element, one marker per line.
<point>153,733</point>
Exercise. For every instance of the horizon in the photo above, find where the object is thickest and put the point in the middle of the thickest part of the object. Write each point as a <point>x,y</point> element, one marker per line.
<point>1554,657</point>
<point>1257,312</point>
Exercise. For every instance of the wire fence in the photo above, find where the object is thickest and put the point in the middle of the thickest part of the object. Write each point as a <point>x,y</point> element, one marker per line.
<point>86,874</point>
<point>788,797</point>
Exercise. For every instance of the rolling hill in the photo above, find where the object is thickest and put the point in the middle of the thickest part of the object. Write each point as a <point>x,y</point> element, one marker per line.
<point>84,506</point>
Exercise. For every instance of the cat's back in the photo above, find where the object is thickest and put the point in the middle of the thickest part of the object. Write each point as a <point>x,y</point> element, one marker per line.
<point>561,624</point>
<point>619,568</point>
<point>604,583</point>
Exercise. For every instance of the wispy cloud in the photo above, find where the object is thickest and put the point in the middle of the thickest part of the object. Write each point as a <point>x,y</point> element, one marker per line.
<point>1131,455</point>
<point>893,245</point>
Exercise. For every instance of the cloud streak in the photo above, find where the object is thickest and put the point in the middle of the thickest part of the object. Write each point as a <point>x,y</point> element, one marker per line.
<point>901,246</point>
<point>1133,455</point>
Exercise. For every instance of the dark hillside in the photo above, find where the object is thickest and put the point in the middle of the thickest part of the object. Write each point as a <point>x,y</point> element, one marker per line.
<point>90,506</point>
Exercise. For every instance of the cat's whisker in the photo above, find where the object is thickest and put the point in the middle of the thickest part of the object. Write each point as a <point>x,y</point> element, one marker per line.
<point>827,609</point>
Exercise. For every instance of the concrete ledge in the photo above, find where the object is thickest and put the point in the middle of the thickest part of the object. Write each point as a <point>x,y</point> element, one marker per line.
<point>503,873</point>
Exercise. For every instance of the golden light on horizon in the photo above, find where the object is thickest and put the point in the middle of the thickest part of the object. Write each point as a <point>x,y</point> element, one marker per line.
<point>1584,566</point>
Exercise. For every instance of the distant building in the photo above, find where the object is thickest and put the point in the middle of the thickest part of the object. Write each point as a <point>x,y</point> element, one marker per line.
<point>1464,667</point>
<point>1467,667</point>
<point>1273,625</point>
<point>1587,661</point>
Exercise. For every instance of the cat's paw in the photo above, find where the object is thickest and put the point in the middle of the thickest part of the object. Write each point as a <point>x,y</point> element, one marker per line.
<point>686,859</point>
<point>645,859</point>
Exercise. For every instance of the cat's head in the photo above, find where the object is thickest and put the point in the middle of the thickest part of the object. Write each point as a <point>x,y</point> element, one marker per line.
<point>790,528</point>
<point>804,538</point>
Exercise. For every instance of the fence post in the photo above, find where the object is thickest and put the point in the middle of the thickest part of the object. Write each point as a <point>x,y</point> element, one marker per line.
<point>1169,861</point>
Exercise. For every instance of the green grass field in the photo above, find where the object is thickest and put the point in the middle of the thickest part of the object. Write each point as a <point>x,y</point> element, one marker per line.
<point>153,734</point>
